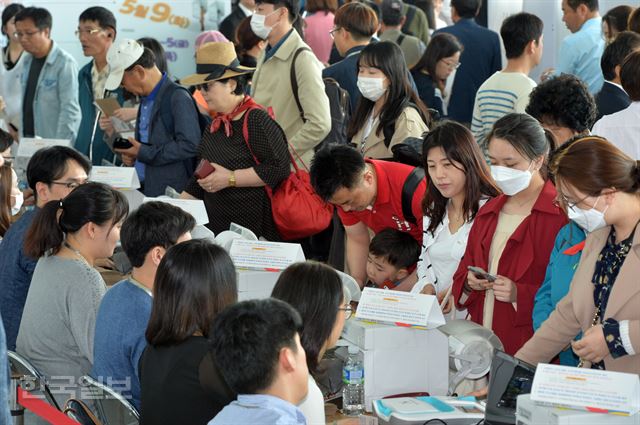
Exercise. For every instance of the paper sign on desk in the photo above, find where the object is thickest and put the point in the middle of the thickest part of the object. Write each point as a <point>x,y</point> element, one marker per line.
<point>195,207</point>
<point>117,177</point>
<point>400,308</point>
<point>594,390</point>
<point>28,145</point>
<point>262,255</point>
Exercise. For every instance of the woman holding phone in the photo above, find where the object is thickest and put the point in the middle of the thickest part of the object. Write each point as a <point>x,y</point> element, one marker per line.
<point>244,152</point>
<point>512,235</point>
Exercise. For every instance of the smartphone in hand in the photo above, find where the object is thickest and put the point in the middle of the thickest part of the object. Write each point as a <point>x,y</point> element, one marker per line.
<point>481,274</point>
<point>121,143</point>
<point>203,169</point>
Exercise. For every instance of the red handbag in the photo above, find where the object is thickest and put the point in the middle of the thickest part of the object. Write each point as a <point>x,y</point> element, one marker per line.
<point>298,212</point>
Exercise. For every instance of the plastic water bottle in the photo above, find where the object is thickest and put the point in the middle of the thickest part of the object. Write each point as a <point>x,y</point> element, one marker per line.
<point>353,384</point>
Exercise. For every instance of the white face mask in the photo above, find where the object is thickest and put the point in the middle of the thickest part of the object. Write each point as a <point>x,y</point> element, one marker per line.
<point>371,88</point>
<point>590,219</point>
<point>258,27</point>
<point>15,209</point>
<point>509,180</point>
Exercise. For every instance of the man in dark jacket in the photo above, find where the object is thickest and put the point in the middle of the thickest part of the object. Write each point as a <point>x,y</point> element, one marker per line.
<point>480,59</point>
<point>612,98</point>
<point>167,127</point>
<point>96,32</point>
<point>229,24</point>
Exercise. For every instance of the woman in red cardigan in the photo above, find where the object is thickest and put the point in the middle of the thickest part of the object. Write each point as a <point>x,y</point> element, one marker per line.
<point>512,235</point>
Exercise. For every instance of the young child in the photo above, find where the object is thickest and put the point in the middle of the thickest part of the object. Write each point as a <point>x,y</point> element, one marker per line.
<point>256,345</point>
<point>392,257</point>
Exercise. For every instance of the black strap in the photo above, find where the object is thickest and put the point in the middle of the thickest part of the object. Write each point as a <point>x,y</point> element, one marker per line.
<point>294,82</point>
<point>408,189</point>
<point>411,13</point>
<point>400,40</point>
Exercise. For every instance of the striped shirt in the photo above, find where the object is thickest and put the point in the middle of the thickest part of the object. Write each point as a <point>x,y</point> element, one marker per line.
<point>502,94</point>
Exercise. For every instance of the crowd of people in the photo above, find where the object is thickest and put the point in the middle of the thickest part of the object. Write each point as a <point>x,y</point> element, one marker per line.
<point>515,202</point>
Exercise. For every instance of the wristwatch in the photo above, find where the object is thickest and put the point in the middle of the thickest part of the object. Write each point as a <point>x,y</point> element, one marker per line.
<point>232,179</point>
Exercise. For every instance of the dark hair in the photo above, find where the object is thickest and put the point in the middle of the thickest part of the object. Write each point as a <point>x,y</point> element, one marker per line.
<point>242,81</point>
<point>314,6</point>
<point>6,140</point>
<point>518,30</point>
<point>630,75</point>
<point>526,135</point>
<point>5,198</point>
<point>246,39</point>
<point>442,45</point>
<point>565,101</point>
<point>293,7</point>
<point>617,18</point>
<point>159,56</point>
<point>101,15</point>
<point>88,203</point>
<point>358,19</point>
<point>391,12</point>
<point>615,53</point>
<point>388,58</point>
<point>400,249</point>
<point>252,334</point>
<point>153,224</point>
<point>634,21</point>
<point>41,17</point>
<point>195,281</point>
<point>315,291</point>
<point>333,167</point>
<point>50,164</point>
<point>458,145</point>
<point>466,8</point>
<point>591,164</point>
<point>431,16</point>
<point>9,12</point>
<point>592,5</point>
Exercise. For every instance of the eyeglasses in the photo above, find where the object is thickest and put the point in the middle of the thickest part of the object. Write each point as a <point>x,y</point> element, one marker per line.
<point>69,185</point>
<point>563,200</point>
<point>332,32</point>
<point>26,34</point>
<point>348,311</point>
<point>90,32</point>
<point>450,65</point>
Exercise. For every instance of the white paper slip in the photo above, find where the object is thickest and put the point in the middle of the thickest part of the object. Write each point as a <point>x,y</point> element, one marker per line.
<point>400,308</point>
<point>203,232</point>
<point>118,177</point>
<point>586,389</point>
<point>195,207</point>
<point>262,255</point>
<point>29,145</point>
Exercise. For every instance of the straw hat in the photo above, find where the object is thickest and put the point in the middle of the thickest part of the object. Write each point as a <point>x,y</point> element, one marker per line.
<point>215,61</point>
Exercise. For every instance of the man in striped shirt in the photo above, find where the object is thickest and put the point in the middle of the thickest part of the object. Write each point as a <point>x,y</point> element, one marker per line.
<point>508,90</point>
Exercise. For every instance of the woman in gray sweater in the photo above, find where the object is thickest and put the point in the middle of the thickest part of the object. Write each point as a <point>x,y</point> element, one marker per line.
<point>57,328</point>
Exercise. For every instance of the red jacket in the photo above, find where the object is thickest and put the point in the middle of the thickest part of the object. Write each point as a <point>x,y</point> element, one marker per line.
<point>524,261</point>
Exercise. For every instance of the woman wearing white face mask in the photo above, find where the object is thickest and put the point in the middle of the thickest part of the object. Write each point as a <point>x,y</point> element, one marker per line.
<point>389,110</point>
<point>10,197</point>
<point>512,235</point>
<point>601,186</point>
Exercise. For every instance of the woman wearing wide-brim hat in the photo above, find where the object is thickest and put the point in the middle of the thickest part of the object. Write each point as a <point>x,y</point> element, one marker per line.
<point>235,190</point>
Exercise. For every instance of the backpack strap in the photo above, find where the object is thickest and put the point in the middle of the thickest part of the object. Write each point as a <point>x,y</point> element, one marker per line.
<point>400,40</point>
<point>411,13</point>
<point>389,130</point>
<point>294,81</point>
<point>408,189</point>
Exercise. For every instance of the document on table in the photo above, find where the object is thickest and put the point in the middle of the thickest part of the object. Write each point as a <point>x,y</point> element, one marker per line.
<point>400,308</point>
<point>262,255</point>
<point>587,389</point>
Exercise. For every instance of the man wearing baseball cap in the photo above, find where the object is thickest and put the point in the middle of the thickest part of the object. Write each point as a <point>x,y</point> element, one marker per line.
<point>167,130</point>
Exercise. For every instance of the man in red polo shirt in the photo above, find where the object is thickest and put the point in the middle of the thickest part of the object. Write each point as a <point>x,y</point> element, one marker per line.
<point>369,194</point>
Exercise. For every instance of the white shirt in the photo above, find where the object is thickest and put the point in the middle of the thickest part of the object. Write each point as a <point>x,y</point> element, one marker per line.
<point>622,129</point>
<point>313,406</point>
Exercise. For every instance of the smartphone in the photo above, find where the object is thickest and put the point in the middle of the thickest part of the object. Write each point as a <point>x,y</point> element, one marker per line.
<point>203,169</point>
<point>481,273</point>
<point>121,143</point>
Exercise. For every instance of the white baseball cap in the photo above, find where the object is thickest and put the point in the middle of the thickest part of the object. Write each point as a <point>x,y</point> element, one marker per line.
<point>121,55</point>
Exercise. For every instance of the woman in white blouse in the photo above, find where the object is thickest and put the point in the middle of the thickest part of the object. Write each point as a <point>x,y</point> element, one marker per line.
<point>459,184</point>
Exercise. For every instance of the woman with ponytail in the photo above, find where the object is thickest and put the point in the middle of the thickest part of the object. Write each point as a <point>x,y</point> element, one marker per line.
<point>68,236</point>
<point>600,188</point>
